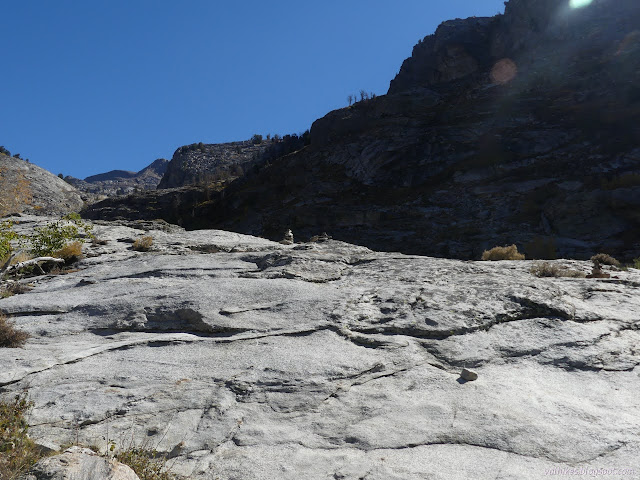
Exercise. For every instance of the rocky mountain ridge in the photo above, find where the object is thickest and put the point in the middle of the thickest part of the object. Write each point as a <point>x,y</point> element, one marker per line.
<point>121,182</point>
<point>220,163</point>
<point>522,128</point>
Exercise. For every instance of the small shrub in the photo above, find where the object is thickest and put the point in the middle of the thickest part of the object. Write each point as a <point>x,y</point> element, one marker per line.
<point>502,253</point>
<point>547,269</point>
<point>6,236</point>
<point>10,336</point>
<point>13,288</point>
<point>143,244</point>
<point>17,451</point>
<point>146,463</point>
<point>54,236</point>
<point>70,253</point>
<point>604,259</point>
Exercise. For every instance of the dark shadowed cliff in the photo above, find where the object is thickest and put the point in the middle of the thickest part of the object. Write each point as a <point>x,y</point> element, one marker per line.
<point>521,128</point>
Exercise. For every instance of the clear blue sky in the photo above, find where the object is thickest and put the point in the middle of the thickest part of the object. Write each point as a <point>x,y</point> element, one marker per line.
<point>89,86</point>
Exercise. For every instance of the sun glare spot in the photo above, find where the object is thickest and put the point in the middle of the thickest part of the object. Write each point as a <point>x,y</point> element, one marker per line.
<point>579,3</point>
<point>504,71</point>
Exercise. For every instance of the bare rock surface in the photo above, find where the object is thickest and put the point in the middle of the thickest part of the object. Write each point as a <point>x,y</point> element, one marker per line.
<point>200,163</point>
<point>25,187</point>
<point>79,464</point>
<point>242,358</point>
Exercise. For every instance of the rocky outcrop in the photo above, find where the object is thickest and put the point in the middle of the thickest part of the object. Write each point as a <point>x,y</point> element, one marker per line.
<point>521,128</point>
<point>238,357</point>
<point>207,163</point>
<point>458,49</point>
<point>25,187</point>
<point>215,165</point>
<point>121,182</point>
<point>79,464</point>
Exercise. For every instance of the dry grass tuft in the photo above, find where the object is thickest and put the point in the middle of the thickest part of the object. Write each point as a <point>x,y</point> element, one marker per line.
<point>10,336</point>
<point>604,259</point>
<point>502,253</point>
<point>70,253</point>
<point>547,269</point>
<point>143,244</point>
<point>13,288</point>
<point>17,451</point>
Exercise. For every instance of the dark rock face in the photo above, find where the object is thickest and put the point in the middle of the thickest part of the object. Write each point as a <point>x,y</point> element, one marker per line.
<point>457,49</point>
<point>121,182</point>
<point>174,205</point>
<point>25,187</point>
<point>519,129</point>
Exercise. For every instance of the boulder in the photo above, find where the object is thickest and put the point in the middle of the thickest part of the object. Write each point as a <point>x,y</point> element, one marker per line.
<point>78,463</point>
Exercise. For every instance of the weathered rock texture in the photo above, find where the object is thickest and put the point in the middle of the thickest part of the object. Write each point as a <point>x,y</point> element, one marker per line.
<point>522,128</point>
<point>204,163</point>
<point>25,187</point>
<point>121,182</point>
<point>79,464</point>
<point>245,359</point>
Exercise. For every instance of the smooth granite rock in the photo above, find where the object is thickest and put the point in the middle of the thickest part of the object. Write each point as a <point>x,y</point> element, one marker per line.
<point>25,187</point>
<point>329,361</point>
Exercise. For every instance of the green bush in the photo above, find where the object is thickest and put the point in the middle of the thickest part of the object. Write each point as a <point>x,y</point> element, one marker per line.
<point>53,237</point>
<point>7,235</point>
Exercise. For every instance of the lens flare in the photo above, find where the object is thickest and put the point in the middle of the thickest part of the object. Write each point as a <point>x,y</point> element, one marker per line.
<point>579,3</point>
<point>504,71</point>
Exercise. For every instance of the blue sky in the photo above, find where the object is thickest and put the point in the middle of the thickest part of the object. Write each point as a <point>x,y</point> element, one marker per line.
<point>89,86</point>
